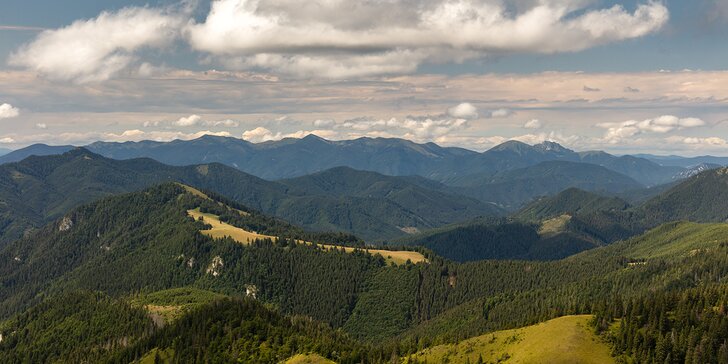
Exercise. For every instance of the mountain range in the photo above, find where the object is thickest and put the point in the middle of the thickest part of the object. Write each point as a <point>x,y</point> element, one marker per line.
<point>289,158</point>
<point>134,277</point>
<point>40,189</point>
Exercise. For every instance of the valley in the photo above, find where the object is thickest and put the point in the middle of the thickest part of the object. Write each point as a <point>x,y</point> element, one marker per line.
<point>178,250</point>
<point>363,182</point>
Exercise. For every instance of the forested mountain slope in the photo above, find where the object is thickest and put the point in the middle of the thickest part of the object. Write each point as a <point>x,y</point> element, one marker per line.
<point>40,189</point>
<point>145,242</point>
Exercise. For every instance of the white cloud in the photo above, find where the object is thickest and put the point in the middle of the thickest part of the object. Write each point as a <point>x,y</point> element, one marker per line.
<point>418,128</point>
<point>533,124</point>
<point>698,141</point>
<point>41,126</point>
<point>616,132</point>
<point>7,140</point>
<point>324,123</point>
<point>383,37</point>
<point>100,48</point>
<point>7,111</point>
<point>262,134</point>
<point>196,120</point>
<point>501,113</point>
<point>463,111</point>
<point>331,38</point>
<point>566,140</point>
<point>189,120</point>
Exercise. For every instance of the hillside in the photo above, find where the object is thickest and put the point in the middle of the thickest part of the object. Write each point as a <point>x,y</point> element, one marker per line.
<point>78,326</point>
<point>40,189</point>
<point>550,239</point>
<point>82,326</point>
<point>568,339</point>
<point>702,198</point>
<point>146,242</point>
<point>513,294</point>
<point>514,188</point>
<point>572,201</point>
<point>431,200</point>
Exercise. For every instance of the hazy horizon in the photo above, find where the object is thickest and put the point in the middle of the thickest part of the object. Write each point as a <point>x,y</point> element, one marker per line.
<point>620,76</point>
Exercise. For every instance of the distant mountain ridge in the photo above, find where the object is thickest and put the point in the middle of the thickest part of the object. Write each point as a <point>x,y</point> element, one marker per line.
<point>40,189</point>
<point>290,157</point>
<point>685,162</point>
<point>33,150</point>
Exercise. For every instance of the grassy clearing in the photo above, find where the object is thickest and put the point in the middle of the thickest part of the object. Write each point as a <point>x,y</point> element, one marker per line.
<point>554,226</point>
<point>171,304</point>
<point>678,239</point>
<point>564,340</point>
<point>157,356</point>
<point>221,229</point>
<point>194,191</point>
<point>308,359</point>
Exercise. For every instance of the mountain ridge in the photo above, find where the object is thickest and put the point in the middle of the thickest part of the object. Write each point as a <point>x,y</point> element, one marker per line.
<point>292,157</point>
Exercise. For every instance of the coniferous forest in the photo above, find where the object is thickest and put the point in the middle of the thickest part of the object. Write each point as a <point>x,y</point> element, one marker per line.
<point>134,278</point>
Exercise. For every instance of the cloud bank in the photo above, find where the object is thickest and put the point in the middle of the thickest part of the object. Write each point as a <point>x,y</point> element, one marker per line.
<point>99,48</point>
<point>616,132</point>
<point>333,38</point>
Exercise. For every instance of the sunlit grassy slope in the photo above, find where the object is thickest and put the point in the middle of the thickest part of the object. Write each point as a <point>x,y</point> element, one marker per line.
<point>221,229</point>
<point>308,359</point>
<point>676,239</point>
<point>563,340</point>
<point>172,303</point>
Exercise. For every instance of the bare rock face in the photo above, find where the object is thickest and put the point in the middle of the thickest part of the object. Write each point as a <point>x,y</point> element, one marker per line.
<point>251,291</point>
<point>215,266</point>
<point>66,224</point>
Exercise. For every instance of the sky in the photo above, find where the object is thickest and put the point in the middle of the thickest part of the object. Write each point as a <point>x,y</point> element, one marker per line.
<point>641,76</point>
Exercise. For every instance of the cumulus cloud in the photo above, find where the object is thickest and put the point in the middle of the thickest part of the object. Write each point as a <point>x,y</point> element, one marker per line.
<point>262,134</point>
<point>418,128</point>
<point>533,124</point>
<point>548,137</point>
<point>8,111</point>
<point>663,124</point>
<point>501,113</point>
<point>197,120</point>
<point>463,111</point>
<point>334,39</point>
<point>7,140</point>
<point>324,123</point>
<point>698,141</point>
<point>381,37</point>
<point>97,49</point>
<point>41,126</point>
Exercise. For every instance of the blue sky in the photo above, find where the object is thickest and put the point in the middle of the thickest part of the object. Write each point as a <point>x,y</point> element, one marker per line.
<point>624,76</point>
